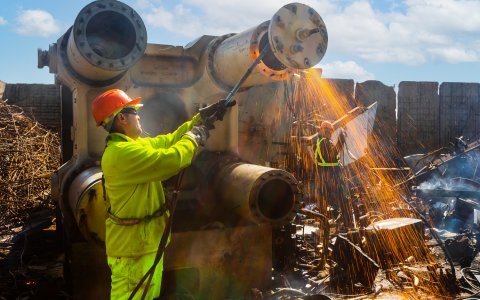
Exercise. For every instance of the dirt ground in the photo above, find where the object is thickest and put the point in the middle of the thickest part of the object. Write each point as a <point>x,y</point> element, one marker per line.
<point>31,259</point>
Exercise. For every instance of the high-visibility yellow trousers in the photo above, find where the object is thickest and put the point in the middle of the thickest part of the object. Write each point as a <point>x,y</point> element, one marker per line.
<point>127,273</point>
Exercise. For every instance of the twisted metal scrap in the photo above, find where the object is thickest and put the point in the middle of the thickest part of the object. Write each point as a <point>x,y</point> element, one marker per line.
<point>29,154</point>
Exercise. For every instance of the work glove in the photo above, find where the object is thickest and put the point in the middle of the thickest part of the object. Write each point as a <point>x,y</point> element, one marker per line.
<point>200,134</point>
<point>215,111</point>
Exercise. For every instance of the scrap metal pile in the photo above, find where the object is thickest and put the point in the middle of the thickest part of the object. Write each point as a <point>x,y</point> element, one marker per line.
<point>407,240</point>
<point>29,249</point>
<point>29,154</point>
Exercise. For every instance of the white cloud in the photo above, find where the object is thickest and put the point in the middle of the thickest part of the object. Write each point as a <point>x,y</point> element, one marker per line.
<point>410,36</point>
<point>36,23</point>
<point>143,4</point>
<point>346,69</point>
<point>445,15</point>
<point>2,21</point>
<point>410,32</point>
<point>160,17</point>
<point>193,18</point>
<point>172,21</point>
<point>455,54</point>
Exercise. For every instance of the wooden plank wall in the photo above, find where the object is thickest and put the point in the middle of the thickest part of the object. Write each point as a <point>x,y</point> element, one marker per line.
<point>418,117</point>
<point>432,116</point>
<point>459,111</point>
<point>423,117</point>
<point>384,129</point>
<point>39,101</point>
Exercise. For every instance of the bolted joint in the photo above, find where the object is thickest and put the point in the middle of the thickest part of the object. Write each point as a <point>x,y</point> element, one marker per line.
<point>296,48</point>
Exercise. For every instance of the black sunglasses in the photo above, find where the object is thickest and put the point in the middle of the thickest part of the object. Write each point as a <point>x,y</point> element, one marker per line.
<point>129,110</point>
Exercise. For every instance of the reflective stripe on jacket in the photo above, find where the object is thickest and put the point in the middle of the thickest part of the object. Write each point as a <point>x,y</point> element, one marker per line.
<point>319,158</point>
<point>134,171</point>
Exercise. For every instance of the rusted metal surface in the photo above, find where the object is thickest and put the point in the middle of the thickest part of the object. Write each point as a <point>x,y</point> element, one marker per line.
<point>87,204</point>
<point>220,263</point>
<point>393,241</point>
<point>353,270</point>
<point>298,36</point>
<point>259,194</point>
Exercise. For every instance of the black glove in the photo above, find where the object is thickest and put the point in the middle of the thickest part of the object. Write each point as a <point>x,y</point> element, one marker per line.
<point>200,134</point>
<point>215,111</point>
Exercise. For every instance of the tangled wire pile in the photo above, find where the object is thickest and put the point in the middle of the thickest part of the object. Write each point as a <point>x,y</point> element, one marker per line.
<point>29,154</point>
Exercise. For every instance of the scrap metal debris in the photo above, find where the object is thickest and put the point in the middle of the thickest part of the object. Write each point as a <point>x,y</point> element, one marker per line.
<point>29,154</point>
<point>31,264</point>
<point>393,249</point>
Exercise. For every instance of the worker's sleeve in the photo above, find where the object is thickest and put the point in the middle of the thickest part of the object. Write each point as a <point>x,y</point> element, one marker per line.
<point>341,142</point>
<point>142,163</point>
<point>167,140</point>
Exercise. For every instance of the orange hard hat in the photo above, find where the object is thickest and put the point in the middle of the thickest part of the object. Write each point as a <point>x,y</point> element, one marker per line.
<point>327,124</point>
<point>108,104</point>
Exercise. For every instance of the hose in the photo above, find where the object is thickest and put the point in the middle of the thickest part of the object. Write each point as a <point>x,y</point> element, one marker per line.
<point>163,241</point>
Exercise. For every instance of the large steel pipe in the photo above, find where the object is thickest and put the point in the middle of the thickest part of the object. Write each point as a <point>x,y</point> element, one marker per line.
<point>259,194</point>
<point>87,204</point>
<point>107,38</point>
<point>296,37</point>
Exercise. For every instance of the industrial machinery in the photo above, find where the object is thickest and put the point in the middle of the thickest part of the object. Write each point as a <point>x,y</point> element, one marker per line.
<point>229,204</point>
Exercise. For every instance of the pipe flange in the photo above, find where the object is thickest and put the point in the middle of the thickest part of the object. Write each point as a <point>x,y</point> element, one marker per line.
<point>298,36</point>
<point>94,14</point>
<point>259,38</point>
<point>75,74</point>
<point>275,182</point>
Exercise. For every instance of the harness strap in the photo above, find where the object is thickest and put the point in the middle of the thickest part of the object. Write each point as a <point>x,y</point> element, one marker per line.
<point>134,221</point>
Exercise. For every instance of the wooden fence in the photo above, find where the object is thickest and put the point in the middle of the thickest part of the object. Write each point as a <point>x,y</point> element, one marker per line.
<point>422,117</point>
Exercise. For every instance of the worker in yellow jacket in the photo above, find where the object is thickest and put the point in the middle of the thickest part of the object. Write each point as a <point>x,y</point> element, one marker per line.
<point>133,169</point>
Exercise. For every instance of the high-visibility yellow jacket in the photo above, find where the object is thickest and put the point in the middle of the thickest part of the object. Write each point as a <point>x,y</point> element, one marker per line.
<point>134,171</point>
<point>330,149</point>
<point>327,154</point>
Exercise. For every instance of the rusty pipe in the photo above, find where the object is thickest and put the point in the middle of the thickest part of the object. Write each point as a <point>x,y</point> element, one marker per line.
<point>87,205</point>
<point>296,37</point>
<point>259,194</point>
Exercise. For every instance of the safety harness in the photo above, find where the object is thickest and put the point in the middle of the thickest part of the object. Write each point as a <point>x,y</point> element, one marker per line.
<point>320,160</point>
<point>134,221</point>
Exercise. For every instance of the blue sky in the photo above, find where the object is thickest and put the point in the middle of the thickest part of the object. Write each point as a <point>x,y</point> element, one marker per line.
<point>389,40</point>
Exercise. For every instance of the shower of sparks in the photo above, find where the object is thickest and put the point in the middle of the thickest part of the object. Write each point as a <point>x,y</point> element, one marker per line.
<point>367,189</point>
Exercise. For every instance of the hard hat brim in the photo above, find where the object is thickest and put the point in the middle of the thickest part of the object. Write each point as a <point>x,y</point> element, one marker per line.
<point>135,101</point>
